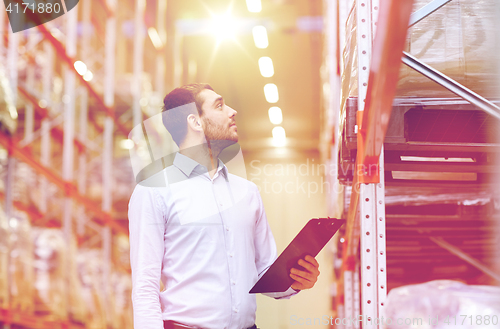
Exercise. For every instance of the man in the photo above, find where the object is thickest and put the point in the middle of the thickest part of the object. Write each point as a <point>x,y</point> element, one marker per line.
<point>200,230</point>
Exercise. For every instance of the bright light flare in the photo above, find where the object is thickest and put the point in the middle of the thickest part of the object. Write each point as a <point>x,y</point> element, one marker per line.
<point>260,37</point>
<point>223,27</point>
<point>13,112</point>
<point>266,67</point>
<point>127,144</point>
<point>254,6</point>
<point>155,38</point>
<point>56,33</point>
<point>80,67</point>
<point>88,76</point>
<point>279,136</point>
<point>42,103</point>
<point>14,222</point>
<point>275,115</point>
<point>271,93</point>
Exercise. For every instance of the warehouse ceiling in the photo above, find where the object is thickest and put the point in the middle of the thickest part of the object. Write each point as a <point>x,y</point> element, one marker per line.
<point>231,66</point>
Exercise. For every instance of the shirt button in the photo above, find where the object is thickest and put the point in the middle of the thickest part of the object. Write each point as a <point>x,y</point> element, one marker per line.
<point>235,311</point>
<point>233,283</point>
<point>231,255</point>
<point>227,228</point>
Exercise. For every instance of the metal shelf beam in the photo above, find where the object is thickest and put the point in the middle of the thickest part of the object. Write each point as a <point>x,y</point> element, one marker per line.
<point>466,257</point>
<point>376,90</point>
<point>451,85</point>
<point>426,11</point>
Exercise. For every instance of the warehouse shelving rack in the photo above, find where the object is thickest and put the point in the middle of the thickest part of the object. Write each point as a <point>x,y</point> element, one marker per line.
<point>362,284</point>
<point>50,51</point>
<point>9,318</point>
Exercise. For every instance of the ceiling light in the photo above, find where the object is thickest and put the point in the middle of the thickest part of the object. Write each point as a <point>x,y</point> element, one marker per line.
<point>260,37</point>
<point>279,136</point>
<point>275,115</point>
<point>266,67</point>
<point>223,26</point>
<point>254,6</point>
<point>155,38</point>
<point>88,76</point>
<point>80,67</point>
<point>271,93</point>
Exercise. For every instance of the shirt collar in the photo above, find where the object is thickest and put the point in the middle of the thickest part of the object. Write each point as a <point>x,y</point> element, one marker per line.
<point>188,165</point>
<point>222,169</point>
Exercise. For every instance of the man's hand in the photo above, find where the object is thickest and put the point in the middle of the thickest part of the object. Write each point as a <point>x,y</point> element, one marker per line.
<point>305,279</point>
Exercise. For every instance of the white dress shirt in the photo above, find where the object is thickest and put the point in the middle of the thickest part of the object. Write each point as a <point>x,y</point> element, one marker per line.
<point>207,240</point>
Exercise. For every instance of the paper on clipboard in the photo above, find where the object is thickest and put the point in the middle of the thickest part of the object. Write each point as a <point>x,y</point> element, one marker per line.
<point>310,240</point>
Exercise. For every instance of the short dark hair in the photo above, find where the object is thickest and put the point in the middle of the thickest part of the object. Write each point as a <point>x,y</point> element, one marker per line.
<point>175,121</point>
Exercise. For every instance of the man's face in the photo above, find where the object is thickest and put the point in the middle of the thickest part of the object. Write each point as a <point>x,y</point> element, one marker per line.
<point>218,118</point>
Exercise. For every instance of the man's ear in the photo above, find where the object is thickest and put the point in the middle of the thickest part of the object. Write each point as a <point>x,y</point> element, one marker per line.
<point>194,122</point>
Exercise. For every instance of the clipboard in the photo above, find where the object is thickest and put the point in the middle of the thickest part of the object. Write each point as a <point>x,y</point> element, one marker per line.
<point>310,240</point>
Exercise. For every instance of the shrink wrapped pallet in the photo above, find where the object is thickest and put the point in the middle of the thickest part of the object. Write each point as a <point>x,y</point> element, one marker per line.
<point>4,256</point>
<point>21,264</point>
<point>442,304</point>
<point>50,282</point>
<point>90,265</point>
<point>455,40</point>
<point>349,80</point>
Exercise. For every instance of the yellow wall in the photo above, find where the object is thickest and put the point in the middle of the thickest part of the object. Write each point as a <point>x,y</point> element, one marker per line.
<point>293,191</point>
